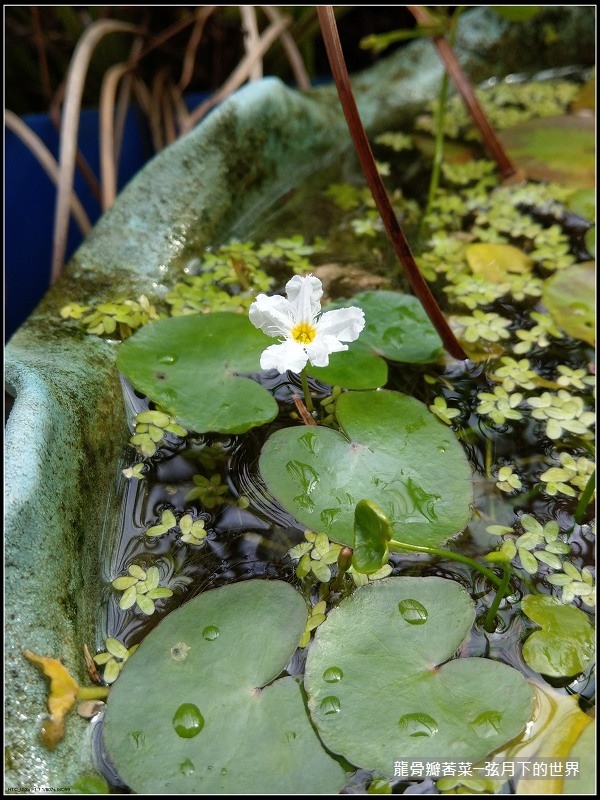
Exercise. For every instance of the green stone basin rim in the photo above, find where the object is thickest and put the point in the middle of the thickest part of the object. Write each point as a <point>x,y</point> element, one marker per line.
<point>65,434</point>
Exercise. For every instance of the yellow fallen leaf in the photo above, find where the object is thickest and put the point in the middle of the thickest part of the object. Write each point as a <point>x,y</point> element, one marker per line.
<point>494,261</point>
<point>61,699</point>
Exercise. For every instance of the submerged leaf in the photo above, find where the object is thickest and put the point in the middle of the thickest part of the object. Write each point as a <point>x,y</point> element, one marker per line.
<point>494,261</point>
<point>565,645</point>
<point>559,149</point>
<point>569,296</point>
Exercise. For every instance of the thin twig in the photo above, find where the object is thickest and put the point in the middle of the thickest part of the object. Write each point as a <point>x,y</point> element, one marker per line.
<point>466,91</point>
<point>251,39</point>
<point>82,164</point>
<point>48,162</point>
<point>159,82</point>
<point>69,131</point>
<point>303,411</point>
<point>239,75</point>
<point>189,56</point>
<point>371,173</point>
<point>293,53</point>
<point>40,43</point>
<point>108,159</point>
<point>124,99</point>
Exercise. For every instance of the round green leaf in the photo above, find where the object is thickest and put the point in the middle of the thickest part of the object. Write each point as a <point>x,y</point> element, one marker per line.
<point>379,688</point>
<point>392,451</point>
<point>396,328</point>
<point>569,295</point>
<point>561,149</point>
<point>191,367</point>
<point>565,644</point>
<point>222,721</point>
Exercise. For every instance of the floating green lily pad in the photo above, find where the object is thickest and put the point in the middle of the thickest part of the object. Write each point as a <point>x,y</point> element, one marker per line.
<point>393,451</point>
<point>191,366</point>
<point>396,328</point>
<point>199,709</point>
<point>565,645</point>
<point>560,149</point>
<point>379,688</point>
<point>569,295</point>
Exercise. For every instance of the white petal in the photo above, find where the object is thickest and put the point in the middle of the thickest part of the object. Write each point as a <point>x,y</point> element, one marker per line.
<point>272,315</point>
<point>319,350</point>
<point>287,355</point>
<point>304,294</point>
<point>344,323</point>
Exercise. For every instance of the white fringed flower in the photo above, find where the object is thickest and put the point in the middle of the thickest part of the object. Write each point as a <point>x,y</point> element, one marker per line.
<point>307,334</point>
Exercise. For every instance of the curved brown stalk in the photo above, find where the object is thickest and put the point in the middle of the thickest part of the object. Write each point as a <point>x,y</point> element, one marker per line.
<point>48,162</point>
<point>463,85</point>
<point>369,168</point>
<point>293,54</point>
<point>251,39</point>
<point>69,131</point>
<point>239,75</point>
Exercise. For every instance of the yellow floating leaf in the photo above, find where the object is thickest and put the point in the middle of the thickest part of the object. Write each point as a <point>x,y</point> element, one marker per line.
<point>554,730</point>
<point>63,693</point>
<point>493,261</point>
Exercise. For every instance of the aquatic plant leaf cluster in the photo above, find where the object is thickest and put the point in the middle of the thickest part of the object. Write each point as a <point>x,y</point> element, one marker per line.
<point>233,721</point>
<point>380,468</point>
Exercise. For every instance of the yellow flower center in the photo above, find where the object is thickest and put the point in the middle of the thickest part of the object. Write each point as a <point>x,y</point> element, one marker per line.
<point>303,333</point>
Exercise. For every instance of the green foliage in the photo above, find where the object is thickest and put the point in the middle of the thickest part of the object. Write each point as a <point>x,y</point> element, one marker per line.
<point>394,452</point>
<point>224,721</point>
<point>140,588</point>
<point>191,367</point>
<point>401,699</point>
<point>396,329</point>
<point>117,319</point>
<point>113,658</point>
<point>569,297</point>
<point>565,644</point>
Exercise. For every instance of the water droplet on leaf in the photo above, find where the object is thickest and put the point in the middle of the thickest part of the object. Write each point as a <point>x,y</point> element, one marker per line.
<point>188,721</point>
<point>138,739</point>
<point>333,675</point>
<point>487,724</point>
<point>210,633</point>
<point>413,612</point>
<point>330,705</point>
<point>187,767</point>
<point>418,724</point>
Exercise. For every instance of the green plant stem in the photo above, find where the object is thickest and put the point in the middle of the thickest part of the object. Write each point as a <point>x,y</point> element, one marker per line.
<point>438,149</point>
<point>306,390</point>
<point>438,153</point>
<point>92,692</point>
<point>398,547</point>
<point>500,595</point>
<point>463,86</point>
<point>585,498</point>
